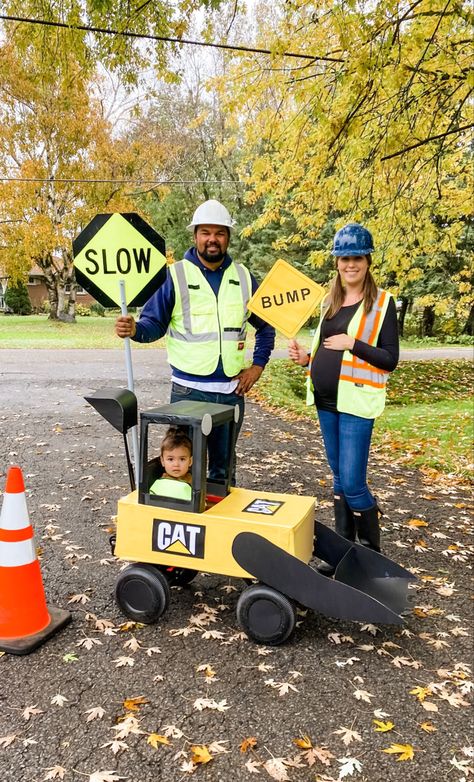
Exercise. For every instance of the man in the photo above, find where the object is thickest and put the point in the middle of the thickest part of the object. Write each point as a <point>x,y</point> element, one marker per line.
<point>202,307</point>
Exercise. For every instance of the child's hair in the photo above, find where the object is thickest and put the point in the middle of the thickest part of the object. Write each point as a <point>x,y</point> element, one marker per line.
<point>176,438</point>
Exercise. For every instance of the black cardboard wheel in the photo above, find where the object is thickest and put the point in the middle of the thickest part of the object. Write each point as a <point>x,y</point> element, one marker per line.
<point>177,576</point>
<point>267,616</point>
<point>142,593</point>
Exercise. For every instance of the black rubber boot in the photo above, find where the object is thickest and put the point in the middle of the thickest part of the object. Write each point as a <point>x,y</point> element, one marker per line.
<point>344,526</point>
<point>367,524</point>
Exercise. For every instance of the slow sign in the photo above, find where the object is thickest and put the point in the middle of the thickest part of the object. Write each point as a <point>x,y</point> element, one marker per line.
<point>114,247</point>
<point>286,298</point>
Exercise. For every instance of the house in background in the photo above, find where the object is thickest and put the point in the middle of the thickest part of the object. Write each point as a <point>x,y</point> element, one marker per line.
<point>37,291</point>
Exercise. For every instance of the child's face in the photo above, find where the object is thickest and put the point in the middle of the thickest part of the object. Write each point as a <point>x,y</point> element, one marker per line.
<point>177,461</point>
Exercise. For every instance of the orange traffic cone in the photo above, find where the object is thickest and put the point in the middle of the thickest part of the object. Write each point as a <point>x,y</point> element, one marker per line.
<point>25,619</point>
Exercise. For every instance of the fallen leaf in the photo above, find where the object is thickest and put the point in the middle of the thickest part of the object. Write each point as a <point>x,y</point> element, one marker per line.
<point>348,735</point>
<point>349,765</point>
<point>303,743</point>
<point>405,751</point>
<point>428,727</point>
<point>275,767</point>
<point>96,713</point>
<point>54,772</point>
<point>155,738</point>
<point>248,743</point>
<point>132,704</point>
<point>200,754</point>
<point>383,727</point>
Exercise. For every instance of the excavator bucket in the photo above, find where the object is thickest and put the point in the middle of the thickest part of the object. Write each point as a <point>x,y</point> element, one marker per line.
<point>368,587</point>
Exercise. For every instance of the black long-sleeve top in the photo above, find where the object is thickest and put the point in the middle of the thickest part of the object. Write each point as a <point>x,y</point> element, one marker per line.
<point>326,364</point>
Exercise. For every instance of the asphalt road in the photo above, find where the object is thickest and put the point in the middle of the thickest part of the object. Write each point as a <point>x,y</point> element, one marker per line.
<point>199,681</point>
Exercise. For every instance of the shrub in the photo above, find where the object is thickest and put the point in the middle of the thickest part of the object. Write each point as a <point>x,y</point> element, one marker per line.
<point>97,309</point>
<point>82,311</point>
<point>16,297</point>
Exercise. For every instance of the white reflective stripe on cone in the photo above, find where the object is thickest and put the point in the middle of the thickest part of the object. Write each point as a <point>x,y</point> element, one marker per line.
<point>14,513</point>
<point>16,554</point>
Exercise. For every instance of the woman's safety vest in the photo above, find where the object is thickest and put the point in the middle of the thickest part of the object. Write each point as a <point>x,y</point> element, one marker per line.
<point>362,387</point>
<point>203,326</point>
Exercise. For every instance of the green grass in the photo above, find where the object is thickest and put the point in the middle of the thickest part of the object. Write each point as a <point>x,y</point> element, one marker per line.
<point>37,331</point>
<point>428,419</point>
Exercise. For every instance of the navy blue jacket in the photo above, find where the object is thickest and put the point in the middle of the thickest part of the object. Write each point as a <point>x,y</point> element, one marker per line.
<point>156,315</point>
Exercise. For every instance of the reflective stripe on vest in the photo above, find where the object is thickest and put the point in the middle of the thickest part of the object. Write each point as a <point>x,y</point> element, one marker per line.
<point>198,309</point>
<point>356,370</point>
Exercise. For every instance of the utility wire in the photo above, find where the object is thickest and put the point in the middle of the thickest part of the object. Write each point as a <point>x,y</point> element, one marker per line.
<point>180,41</point>
<point>52,180</point>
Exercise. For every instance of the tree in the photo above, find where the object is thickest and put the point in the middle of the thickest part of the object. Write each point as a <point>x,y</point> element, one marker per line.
<point>54,139</point>
<point>374,129</point>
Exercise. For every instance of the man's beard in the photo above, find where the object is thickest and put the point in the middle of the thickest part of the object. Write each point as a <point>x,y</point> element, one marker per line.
<point>215,257</point>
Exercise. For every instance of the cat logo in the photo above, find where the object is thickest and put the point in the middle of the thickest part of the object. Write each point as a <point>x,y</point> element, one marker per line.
<point>170,537</point>
<point>266,507</point>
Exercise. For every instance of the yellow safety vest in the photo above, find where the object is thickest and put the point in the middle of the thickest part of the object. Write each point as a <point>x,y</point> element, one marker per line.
<point>170,487</point>
<point>362,387</point>
<point>204,327</point>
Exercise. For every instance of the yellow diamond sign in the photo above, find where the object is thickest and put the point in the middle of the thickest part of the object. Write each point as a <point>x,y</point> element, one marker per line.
<point>286,298</point>
<point>114,247</point>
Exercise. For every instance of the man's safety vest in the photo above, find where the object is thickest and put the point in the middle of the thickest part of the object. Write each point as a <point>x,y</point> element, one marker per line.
<point>204,327</point>
<point>362,387</point>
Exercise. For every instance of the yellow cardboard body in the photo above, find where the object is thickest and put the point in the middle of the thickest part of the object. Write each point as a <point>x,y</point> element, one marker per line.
<point>290,526</point>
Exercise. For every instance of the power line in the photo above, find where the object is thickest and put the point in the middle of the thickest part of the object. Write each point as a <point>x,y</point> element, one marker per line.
<point>53,180</point>
<point>165,39</point>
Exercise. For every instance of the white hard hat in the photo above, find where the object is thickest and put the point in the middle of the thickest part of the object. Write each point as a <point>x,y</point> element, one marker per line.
<point>211,213</point>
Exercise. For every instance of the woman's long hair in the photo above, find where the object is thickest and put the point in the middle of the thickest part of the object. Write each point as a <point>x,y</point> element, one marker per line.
<point>336,295</point>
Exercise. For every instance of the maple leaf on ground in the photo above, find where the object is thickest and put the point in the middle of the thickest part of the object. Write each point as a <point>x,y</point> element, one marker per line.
<point>31,711</point>
<point>200,754</point>
<point>105,776</point>
<point>54,772</point>
<point>132,704</point>
<point>173,731</point>
<point>303,743</point>
<point>115,746</point>
<point>318,753</point>
<point>188,767</point>
<point>96,713</point>
<point>154,739</point>
<point>58,700</point>
<point>252,766</point>
<point>405,751</point>
<point>216,747</point>
<point>363,695</point>
<point>276,768</point>
<point>383,727</point>
<point>80,598</point>
<point>428,727</point>
<point>348,767</point>
<point>348,735</point>
<point>248,743</point>
<point>121,661</point>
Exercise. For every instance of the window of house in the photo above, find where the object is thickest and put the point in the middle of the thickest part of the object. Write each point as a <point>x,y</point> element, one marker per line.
<point>33,281</point>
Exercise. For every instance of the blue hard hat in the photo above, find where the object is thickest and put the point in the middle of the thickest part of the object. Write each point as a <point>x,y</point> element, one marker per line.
<point>353,239</point>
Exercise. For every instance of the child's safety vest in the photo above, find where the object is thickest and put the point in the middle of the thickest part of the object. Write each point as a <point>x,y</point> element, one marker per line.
<point>362,387</point>
<point>203,326</point>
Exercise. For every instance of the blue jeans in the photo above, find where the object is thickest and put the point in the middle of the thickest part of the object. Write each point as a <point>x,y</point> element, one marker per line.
<point>347,442</point>
<point>218,440</point>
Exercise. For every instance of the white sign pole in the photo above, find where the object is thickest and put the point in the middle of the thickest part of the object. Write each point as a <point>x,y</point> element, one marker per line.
<point>128,363</point>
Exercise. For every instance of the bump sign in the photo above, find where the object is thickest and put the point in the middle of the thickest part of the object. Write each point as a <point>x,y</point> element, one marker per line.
<point>286,298</point>
<point>114,247</point>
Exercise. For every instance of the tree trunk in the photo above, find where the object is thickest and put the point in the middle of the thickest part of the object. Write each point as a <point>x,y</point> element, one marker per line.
<point>427,321</point>
<point>402,313</point>
<point>469,324</point>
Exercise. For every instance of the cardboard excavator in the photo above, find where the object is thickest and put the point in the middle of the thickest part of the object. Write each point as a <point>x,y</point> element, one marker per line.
<point>265,538</point>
